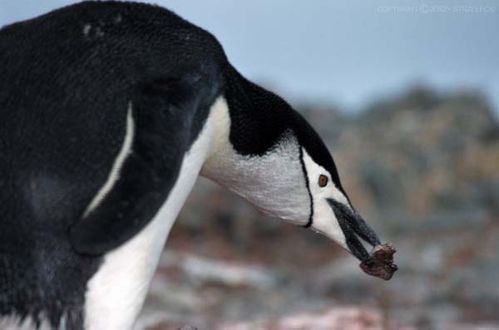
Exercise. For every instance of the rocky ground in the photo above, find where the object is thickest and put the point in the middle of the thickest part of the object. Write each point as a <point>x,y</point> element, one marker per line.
<point>424,171</point>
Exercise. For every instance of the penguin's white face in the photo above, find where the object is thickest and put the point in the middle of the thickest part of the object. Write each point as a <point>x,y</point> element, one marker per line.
<point>322,189</point>
<point>333,215</point>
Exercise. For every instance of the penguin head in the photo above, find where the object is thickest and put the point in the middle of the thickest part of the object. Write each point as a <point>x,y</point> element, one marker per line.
<point>268,154</point>
<point>332,213</point>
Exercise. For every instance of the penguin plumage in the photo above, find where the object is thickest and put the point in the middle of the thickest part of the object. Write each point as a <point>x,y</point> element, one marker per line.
<point>108,113</point>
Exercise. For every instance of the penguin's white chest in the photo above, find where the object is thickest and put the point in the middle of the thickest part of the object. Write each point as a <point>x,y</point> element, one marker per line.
<point>116,292</point>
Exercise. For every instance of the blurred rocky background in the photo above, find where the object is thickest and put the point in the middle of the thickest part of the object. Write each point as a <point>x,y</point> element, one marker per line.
<point>423,169</point>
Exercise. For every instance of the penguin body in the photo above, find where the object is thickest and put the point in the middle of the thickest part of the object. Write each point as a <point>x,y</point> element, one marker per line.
<point>109,111</point>
<point>69,81</point>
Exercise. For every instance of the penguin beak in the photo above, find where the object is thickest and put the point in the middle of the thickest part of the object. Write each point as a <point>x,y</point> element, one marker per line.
<point>355,229</point>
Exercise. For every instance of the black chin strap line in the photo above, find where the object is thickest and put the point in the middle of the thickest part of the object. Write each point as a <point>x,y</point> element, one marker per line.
<point>307,185</point>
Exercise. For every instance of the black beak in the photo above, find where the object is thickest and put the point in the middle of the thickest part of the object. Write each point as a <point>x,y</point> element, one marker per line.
<point>354,227</point>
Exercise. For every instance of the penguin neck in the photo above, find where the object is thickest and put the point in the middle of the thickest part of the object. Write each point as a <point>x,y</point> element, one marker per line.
<point>248,121</point>
<point>259,118</point>
<point>249,174</point>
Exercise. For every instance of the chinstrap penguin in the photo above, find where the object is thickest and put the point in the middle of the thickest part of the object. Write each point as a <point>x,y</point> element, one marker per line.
<point>109,111</point>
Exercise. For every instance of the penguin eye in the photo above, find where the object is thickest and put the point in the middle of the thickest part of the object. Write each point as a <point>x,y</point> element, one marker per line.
<point>323,180</point>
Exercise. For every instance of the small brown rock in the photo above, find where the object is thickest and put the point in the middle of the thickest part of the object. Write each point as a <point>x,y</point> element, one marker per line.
<point>380,262</point>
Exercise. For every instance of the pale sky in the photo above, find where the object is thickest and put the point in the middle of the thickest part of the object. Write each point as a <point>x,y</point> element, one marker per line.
<point>344,52</point>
